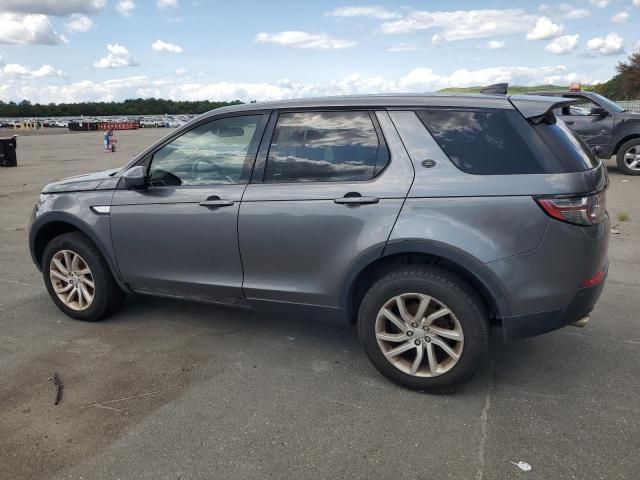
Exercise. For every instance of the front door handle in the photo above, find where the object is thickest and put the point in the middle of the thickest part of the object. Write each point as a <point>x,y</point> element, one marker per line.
<point>216,201</point>
<point>356,200</point>
<point>569,122</point>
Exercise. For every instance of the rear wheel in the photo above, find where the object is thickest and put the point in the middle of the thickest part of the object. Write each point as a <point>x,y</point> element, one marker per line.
<point>78,278</point>
<point>628,157</point>
<point>424,328</point>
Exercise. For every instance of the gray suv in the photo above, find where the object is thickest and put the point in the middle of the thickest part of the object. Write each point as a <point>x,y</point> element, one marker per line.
<point>422,218</point>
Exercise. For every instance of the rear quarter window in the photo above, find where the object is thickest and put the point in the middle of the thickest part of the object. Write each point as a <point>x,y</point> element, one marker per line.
<point>503,142</point>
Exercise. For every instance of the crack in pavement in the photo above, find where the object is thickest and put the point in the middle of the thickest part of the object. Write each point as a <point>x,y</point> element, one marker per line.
<point>483,423</point>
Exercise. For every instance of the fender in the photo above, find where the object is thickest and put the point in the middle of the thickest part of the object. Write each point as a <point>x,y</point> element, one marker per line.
<point>81,226</point>
<point>474,267</point>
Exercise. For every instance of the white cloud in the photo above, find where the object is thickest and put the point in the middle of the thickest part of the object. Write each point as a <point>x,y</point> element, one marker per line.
<point>612,44</point>
<point>567,10</point>
<point>576,13</point>
<point>125,7</point>
<point>369,11</point>
<point>620,17</point>
<point>160,46</point>
<point>32,29</point>
<point>117,56</point>
<point>80,23</point>
<point>636,3</point>
<point>600,3</point>
<point>402,47</point>
<point>297,39</point>
<point>462,24</point>
<point>185,88</point>
<point>495,44</point>
<point>563,45</point>
<point>181,71</point>
<point>57,8</point>
<point>165,4</point>
<point>544,30</point>
<point>16,70</point>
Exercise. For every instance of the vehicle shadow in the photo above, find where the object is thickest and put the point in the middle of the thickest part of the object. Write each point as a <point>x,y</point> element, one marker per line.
<point>523,364</point>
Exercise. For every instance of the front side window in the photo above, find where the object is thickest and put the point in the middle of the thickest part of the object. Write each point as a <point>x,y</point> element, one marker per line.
<point>213,153</point>
<point>581,108</point>
<point>324,147</point>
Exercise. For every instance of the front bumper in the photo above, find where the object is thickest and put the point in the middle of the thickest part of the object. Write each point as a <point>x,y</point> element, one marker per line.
<point>523,326</point>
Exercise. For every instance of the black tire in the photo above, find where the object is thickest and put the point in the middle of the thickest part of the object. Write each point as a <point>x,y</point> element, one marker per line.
<point>445,287</point>
<point>107,297</point>
<point>622,166</point>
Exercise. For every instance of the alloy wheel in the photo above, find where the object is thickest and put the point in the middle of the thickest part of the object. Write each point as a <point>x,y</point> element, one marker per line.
<point>72,280</point>
<point>419,335</point>
<point>632,157</point>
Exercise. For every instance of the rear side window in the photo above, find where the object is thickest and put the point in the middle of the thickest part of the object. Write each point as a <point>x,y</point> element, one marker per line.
<point>324,147</point>
<point>483,141</point>
<point>571,151</point>
<point>503,142</point>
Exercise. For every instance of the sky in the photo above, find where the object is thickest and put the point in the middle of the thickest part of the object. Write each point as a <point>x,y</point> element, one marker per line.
<point>111,50</point>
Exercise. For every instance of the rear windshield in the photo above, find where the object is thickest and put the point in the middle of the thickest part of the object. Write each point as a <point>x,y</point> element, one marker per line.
<point>503,142</point>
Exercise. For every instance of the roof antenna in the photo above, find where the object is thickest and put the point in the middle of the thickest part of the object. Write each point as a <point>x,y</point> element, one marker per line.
<point>495,89</point>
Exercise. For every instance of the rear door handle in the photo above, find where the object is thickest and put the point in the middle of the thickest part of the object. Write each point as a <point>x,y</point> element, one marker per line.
<point>216,201</point>
<point>569,122</point>
<point>356,200</point>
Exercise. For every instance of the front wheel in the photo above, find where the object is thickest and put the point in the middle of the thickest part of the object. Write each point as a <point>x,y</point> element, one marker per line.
<point>78,278</point>
<point>628,157</point>
<point>424,328</point>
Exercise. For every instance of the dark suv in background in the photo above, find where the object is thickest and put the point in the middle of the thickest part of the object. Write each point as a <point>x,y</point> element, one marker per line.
<point>422,218</point>
<point>605,126</point>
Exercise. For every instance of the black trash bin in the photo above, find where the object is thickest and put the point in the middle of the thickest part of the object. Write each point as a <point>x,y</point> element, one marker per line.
<point>8,152</point>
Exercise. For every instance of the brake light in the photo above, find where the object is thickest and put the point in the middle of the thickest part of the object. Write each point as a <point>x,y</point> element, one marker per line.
<point>581,210</point>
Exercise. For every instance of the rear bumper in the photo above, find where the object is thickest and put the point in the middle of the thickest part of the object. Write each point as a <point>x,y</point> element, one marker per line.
<point>523,326</point>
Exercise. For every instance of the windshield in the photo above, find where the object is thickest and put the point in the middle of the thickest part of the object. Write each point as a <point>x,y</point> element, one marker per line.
<point>610,104</point>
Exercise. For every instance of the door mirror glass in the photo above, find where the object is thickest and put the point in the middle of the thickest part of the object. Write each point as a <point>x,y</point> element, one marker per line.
<point>135,178</point>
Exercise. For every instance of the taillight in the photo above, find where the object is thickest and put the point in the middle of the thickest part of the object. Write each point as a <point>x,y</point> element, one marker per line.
<point>580,210</point>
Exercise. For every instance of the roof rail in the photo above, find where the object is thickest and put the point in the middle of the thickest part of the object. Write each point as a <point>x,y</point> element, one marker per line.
<point>495,89</point>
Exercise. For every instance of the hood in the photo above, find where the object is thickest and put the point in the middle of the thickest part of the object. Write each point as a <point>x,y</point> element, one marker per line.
<point>624,116</point>
<point>79,183</point>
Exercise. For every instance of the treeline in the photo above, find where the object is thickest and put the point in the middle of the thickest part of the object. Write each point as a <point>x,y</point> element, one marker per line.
<point>626,84</point>
<point>138,106</point>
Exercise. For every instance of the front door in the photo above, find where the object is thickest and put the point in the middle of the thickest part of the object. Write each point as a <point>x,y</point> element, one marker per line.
<point>179,236</point>
<point>322,202</point>
<point>594,129</point>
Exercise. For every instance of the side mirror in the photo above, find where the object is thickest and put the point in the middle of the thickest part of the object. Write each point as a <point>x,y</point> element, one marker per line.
<point>599,111</point>
<point>135,178</point>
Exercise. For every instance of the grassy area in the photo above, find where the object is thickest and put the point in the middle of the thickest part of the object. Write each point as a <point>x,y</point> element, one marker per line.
<point>514,89</point>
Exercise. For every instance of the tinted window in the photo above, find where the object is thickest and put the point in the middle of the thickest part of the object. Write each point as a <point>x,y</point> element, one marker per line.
<point>482,142</point>
<point>213,153</point>
<point>569,149</point>
<point>324,147</point>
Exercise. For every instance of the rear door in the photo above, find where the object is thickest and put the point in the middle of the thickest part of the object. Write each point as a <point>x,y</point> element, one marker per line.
<point>179,236</point>
<point>325,193</point>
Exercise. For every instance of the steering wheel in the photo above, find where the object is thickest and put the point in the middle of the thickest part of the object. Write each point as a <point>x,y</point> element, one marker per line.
<point>211,167</point>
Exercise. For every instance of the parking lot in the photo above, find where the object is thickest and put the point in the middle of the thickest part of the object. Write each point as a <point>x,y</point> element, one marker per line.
<point>174,390</point>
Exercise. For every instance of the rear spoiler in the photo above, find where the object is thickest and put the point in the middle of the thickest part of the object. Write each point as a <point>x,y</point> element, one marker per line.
<point>536,108</point>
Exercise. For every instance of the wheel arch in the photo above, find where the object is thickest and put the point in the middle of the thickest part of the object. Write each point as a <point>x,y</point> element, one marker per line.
<point>418,251</point>
<point>51,225</point>
<point>624,140</point>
